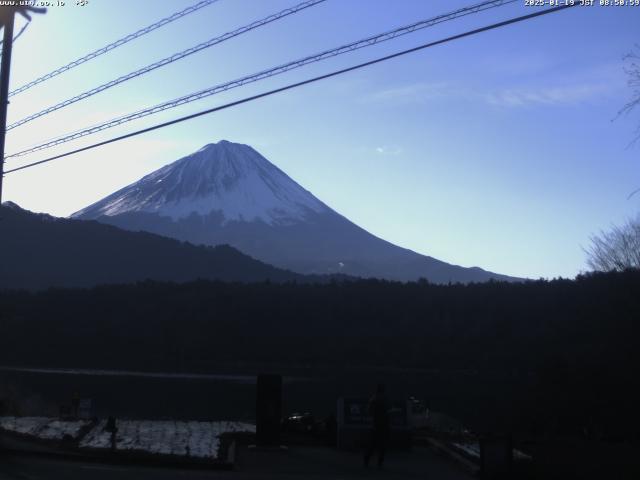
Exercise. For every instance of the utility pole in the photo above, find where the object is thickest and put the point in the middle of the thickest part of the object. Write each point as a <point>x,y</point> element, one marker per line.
<point>7,17</point>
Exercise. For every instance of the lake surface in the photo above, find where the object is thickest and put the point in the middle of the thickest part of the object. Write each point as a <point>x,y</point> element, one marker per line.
<point>226,396</point>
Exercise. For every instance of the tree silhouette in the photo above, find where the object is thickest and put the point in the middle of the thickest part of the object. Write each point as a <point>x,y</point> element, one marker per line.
<point>617,249</point>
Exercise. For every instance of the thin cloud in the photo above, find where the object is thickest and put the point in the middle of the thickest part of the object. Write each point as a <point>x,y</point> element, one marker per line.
<point>579,87</point>
<point>406,94</point>
<point>549,96</point>
<point>387,150</point>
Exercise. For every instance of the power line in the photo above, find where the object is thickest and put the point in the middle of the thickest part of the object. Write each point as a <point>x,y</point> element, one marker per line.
<point>298,84</point>
<point>166,61</point>
<point>7,20</point>
<point>116,44</point>
<point>24,27</point>
<point>375,39</point>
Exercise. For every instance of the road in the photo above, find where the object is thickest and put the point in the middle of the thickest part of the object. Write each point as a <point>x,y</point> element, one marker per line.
<point>298,462</point>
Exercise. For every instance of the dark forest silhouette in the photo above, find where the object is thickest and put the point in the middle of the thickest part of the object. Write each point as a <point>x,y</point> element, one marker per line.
<point>41,251</point>
<point>541,356</point>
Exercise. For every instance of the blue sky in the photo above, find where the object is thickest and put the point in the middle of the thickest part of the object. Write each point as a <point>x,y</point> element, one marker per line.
<point>500,150</point>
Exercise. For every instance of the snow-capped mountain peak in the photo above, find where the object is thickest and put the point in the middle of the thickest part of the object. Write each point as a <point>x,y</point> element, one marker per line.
<point>230,178</point>
<point>227,193</point>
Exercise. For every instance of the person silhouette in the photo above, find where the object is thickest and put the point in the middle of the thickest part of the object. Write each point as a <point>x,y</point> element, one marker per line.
<point>379,407</point>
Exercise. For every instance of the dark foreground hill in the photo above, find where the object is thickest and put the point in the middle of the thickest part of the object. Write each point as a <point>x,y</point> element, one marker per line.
<point>40,251</point>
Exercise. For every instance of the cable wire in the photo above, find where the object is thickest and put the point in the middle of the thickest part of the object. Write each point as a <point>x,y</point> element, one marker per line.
<point>170,59</point>
<point>297,84</point>
<point>266,74</point>
<point>116,44</point>
<point>24,27</point>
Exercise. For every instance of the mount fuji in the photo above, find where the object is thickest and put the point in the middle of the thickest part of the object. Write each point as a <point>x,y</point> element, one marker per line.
<point>227,193</point>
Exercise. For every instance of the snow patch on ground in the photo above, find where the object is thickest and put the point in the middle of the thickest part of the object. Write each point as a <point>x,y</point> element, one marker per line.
<point>57,429</point>
<point>473,450</point>
<point>470,448</point>
<point>180,438</point>
<point>97,437</point>
<point>166,437</point>
<point>43,427</point>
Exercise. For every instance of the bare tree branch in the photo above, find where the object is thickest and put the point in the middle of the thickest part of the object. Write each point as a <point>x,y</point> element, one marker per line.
<point>616,249</point>
<point>632,69</point>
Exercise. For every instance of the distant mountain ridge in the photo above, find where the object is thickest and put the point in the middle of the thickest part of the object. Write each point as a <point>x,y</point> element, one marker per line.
<point>227,193</point>
<point>40,251</point>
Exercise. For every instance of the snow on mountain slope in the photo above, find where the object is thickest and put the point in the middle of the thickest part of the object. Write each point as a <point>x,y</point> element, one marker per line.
<point>227,177</point>
<point>228,193</point>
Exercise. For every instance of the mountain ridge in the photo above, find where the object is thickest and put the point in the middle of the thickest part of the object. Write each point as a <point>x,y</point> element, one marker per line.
<point>228,193</point>
<point>45,251</point>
